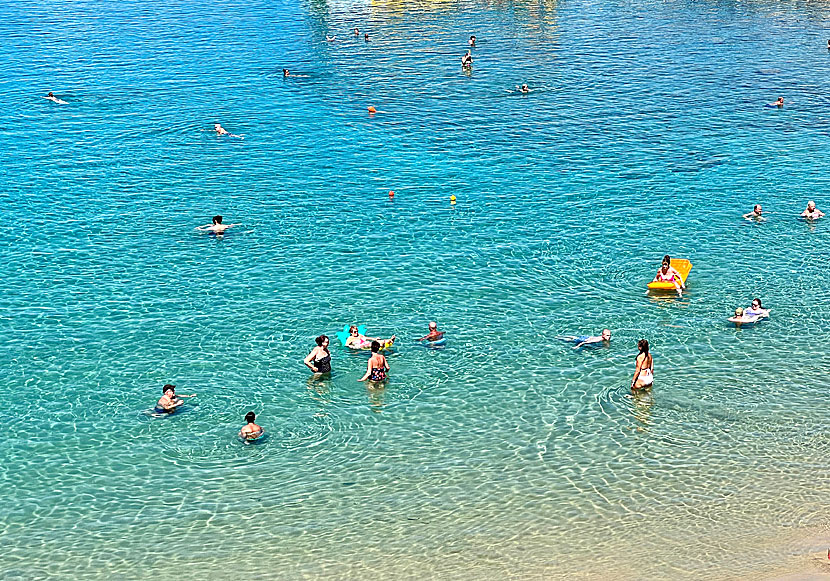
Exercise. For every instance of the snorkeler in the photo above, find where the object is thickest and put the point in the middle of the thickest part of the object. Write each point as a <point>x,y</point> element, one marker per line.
<point>811,212</point>
<point>644,373</point>
<point>251,431</point>
<point>467,61</point>
<point>582,340</point>
<point>666,273</point>
<point>169,401</point>
<point>217,227</point>
<point>358,341</point>
<point>755,214</point>
<point>434,334</point>
<point>319,360</point>
<point>377,367</point>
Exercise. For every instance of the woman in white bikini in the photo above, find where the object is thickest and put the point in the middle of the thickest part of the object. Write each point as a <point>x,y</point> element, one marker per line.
<point>644,374</point>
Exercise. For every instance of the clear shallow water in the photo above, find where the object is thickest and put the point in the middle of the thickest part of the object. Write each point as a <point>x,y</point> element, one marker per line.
<point>504,453</point>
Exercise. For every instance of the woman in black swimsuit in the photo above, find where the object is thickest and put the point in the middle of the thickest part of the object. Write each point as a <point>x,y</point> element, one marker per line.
<point>319,360</point>
<point>377,366</point>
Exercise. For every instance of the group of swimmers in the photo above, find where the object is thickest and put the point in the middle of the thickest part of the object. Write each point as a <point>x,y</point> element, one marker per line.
<point>809,213</point>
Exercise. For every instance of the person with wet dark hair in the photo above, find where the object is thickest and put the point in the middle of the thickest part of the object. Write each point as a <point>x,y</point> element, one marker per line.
<point>217,227</point>
<point>319,360</point>
<point>251,431</point>
<point>644,373</point>
<point>169,401</point>
<point>377,367</point>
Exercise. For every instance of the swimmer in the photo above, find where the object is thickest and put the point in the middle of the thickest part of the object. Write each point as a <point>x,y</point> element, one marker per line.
<point>221,132</point>
<point>319,360</point>
<point>54,99</point>
<point>366,37</point>
<point>811,213</point>
<point>778,103</point>
<point>169,401</point>
<point>755,310</point>
<point>434,334</point>
<point>828,44</point>
<point>755,214</point>
<point>328,38</point>
<point>358,341</point>
<point>286,73</point>
<point>584,340</point>
<point>356,31</point>
<point>644,373</point>
<point>377,367</point>
<point>741,317</point>
<point>467,61</point>
<point>473,40</point>
<point>251,431</point>
<point>217,227</point>
<point>668,274</point>
<point>524,88</point>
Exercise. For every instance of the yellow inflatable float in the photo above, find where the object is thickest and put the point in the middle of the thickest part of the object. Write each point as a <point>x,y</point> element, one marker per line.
<point>682,266</point>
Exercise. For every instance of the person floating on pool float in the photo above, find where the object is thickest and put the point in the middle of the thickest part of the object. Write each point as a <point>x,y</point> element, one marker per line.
<point>319,360</point>
<point>778,103</point>
<point>473,40</point>
<point>811,212</point>
<point>377,367</point>
<point>741,317</point>
<point>467,61</point>
<point>217,227</point>
<point>582,340</point>
<point>755,214</point>
<point>644,372</point>
<point>666,273</point>
<point>358,341</point>
<point>169,401</point>
<point>434,334</point>
<point>251,431</point>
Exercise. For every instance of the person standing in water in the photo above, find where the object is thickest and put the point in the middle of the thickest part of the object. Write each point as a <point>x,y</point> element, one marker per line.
<point>377,367</point>
<point>251,431</point>
<point>811,212</point>
<point>434,334</point>
<point>217,227</point>
<point>467,61</point>
<point>644,373</point>
<point>319,360</point>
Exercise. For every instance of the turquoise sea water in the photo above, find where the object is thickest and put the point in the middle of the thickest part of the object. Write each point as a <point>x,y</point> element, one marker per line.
<point>507,453</point>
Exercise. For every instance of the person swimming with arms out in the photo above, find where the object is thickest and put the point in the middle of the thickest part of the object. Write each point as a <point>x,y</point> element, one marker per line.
<point>755,214</point>
<point>217,227</point>
<point>644,372</point>
<point>319,360</point>
<point>169,401</point>
<point>377,366</point>
<point>778,103</point>
<point>434,334</point>
<point>251,431</point>
<point>811,212</point>
<point>666,273</point>
<point>524,89</point>
<point>358,341</point>
<point>582,340</point>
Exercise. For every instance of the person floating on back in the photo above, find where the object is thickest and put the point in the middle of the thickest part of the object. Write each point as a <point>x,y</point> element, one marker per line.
<point>582,340</point>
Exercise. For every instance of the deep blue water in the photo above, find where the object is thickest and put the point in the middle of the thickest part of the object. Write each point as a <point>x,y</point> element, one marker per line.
<point>506,453</point>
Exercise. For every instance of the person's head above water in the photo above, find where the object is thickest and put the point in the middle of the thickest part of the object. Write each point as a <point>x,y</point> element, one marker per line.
<point>642,345</point>
<point>51,95</point>
<point>168,387</point>
<point>433,325</point>
<point>321,340</point>
<point>756,303</point>
<point>757,208</point>
<point>353,330</point>
<point>739,312</point>
<point>606,334</point>
<point>667,258</point>
<point>811,205</point>
<point>285,72</point>
<point>217,220</point>
<point>375,346</point>
<point>250,417</point>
